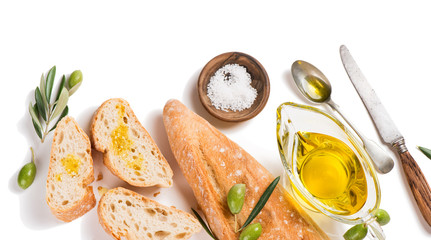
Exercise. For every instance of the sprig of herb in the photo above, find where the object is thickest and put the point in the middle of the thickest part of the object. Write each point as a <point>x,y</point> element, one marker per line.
<point>256,210</point>
<point>46,111</point>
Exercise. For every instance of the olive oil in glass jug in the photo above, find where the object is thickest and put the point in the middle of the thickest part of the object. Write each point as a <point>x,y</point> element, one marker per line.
<point>327,167</point>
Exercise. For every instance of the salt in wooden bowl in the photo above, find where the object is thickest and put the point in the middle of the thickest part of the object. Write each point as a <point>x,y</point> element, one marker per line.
<point>259,81</point>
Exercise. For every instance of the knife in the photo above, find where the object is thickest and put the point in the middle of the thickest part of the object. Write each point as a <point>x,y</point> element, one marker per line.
<point>389,133</point>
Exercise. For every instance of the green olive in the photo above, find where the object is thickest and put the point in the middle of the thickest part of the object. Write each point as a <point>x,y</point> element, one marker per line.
<point>382,217</point>
<point>75,78</point>
<point>357,232</point>
<point>235,198</point>
<point>251,232</point>
<point>26,175</point>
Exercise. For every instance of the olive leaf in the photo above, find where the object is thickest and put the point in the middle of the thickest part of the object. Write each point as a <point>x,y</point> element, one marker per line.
<point>49,83</point>
<point>34,114</point>
<point>61,103</point>
<point>425,151</point>
<point>42,90</point>
<point>39,103</point>
<point>63,81</point>
<point>35,119</point>
<point>74,88</point>
<point>63,114</point>
<point>38,130</point>
<point>202,222</point>
<point>261,203</point>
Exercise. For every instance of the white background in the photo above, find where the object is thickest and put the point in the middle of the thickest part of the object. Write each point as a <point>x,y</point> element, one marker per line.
<point>150,51</point>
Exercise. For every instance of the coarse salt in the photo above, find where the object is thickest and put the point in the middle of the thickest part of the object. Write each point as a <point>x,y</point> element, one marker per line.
<point>230,88</point>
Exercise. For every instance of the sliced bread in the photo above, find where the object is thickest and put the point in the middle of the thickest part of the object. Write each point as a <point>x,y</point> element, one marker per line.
<point>125,214</point>
<point>70,171</point>
<point>129,151</point>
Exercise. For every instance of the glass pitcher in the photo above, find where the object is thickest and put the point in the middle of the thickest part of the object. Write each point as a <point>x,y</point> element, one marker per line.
<point>328,169</point>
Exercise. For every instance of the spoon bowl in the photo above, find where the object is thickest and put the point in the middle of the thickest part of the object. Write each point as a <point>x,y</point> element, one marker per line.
<point>314,85</point>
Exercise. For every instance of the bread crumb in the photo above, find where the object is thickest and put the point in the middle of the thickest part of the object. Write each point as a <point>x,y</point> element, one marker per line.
<point>156,194</point>
<point>99,177</point>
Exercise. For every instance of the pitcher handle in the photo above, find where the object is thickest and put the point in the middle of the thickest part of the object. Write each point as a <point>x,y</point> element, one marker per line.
<point>375,231</point>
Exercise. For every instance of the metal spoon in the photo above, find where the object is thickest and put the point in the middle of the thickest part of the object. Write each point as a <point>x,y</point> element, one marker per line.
<point>314,85</point>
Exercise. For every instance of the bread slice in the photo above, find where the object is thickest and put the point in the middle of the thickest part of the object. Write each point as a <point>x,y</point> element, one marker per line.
<point>129,151</point>
<point>212,164</point>
<point>70,171</point>
<point>124,213</point>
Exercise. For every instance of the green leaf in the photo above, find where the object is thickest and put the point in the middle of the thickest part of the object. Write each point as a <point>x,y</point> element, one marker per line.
<point>37,129</point>
<point>36,111</point>
<point>202,222</point>
<point>34,114</point>
<point>39,103</point>
<point>63,81</point>
<point>35,120</point>
<point>261,203</point>
<point>74,88</point>
<point>42,90</point>
<point>49,83</point>
<point>425,151</point>
<point>61,103</point>
<point>63,114</point>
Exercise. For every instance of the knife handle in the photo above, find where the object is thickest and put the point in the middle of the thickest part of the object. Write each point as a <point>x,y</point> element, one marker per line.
<point>418,184</point>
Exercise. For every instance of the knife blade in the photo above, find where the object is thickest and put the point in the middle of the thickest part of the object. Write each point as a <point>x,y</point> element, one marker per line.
<point>386,127</point>
<point>389,133</point>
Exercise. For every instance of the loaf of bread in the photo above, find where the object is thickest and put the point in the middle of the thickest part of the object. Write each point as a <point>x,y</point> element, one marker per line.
<point>70,172</point>
<point>128,215</point>
<point>212,164</point>
<point>128,150</point>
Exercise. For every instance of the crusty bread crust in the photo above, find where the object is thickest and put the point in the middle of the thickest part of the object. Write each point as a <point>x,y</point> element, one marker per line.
<point>161,173</point>
<point>87,201</point>
<point>212,164</point>
<point>127,214</point>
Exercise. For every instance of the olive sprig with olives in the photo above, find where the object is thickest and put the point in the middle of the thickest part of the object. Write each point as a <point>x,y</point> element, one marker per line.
<point>235,201</point>
<point>47,109</point>
<point>360,231</point>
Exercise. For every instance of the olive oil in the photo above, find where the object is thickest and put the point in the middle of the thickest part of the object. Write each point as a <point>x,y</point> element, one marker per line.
<point>331,172</point>
<point>71,164</point>
<point>122,143</point>
<point>316,89</point>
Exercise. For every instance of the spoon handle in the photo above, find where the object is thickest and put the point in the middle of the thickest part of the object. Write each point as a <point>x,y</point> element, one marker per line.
<point>381,160</point>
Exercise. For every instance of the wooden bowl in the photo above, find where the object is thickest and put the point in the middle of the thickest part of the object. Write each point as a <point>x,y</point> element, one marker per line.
<point>259,81</point>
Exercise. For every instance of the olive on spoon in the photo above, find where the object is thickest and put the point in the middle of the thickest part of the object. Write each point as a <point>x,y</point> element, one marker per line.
<point>314,85</point>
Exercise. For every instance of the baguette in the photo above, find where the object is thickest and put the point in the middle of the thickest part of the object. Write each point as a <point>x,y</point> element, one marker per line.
<point>124,213</point>
<point>212,164</point>
<point>128,150</point>
<point>70,171</point>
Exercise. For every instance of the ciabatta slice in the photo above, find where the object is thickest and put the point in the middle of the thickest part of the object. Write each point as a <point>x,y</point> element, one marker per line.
<point>129,151</point>
<point>125,214</point>
<point>70,171</point>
